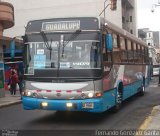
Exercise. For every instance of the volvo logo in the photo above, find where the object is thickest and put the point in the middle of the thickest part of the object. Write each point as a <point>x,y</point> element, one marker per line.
<point>58,94</point>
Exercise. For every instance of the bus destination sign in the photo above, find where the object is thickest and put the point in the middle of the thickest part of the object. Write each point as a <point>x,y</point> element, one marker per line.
<point>61,26</point>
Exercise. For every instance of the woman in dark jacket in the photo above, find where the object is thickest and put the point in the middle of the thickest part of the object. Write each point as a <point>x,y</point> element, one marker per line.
<point>13,82</point>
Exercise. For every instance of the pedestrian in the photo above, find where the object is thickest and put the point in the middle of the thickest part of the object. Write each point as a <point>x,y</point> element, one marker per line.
<point>13,69</point>
<point>13,80</point>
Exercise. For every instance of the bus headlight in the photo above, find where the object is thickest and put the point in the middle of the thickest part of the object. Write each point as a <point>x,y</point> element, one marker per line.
<point>28,93</point>
<point>90,95</point>
<point>69,105</point>
<point>44,104</point>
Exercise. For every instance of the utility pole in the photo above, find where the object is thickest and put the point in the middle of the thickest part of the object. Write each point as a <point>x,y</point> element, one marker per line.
<point>104,8</point>
<point>113,4</point>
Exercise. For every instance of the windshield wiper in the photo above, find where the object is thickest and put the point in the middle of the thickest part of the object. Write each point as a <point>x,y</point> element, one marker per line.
<point>47,45</point>
<point>74,35</point>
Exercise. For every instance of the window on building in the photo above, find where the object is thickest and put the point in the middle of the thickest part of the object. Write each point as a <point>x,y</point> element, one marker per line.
<point>130,18</point>
<point>123,19</point>
<point>149,34</point>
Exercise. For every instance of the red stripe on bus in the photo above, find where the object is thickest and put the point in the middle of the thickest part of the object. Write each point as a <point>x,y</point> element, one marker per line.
<point>58,91</point>
<point>69,91</point>
<point>79,91</point>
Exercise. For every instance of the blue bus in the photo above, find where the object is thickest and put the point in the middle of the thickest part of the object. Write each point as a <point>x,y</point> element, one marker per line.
<point>81,64</point>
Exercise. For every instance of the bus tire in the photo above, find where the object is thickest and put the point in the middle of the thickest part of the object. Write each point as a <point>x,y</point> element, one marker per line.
<point>119,98</point>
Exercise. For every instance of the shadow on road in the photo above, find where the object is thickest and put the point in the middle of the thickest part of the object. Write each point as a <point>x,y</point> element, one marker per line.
<point>74,118</point>
<point>85,118</point>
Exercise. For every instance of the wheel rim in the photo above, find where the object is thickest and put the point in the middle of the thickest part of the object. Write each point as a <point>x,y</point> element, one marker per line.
<point>119,98</point>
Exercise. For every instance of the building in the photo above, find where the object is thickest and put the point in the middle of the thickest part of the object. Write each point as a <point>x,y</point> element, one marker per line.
<point>152,40</point>
<point>129,11</point>
<point>6,21</point>
<point>25,10</point>
<point>150,37</point>
<point>10,48</point>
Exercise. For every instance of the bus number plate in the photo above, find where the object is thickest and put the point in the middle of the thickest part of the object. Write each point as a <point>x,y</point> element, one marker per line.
<point>88,105</point>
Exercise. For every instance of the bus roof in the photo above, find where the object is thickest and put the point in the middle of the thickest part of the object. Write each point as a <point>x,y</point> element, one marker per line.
<point>101,23</point>
<point>121,31</point>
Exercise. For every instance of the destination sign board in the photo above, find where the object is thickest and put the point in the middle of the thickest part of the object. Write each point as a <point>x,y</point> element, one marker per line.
<point>61,26</point>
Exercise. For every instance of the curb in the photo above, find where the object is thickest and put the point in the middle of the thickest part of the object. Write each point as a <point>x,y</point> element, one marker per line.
<point>149,119</point>
<point>10,103</point>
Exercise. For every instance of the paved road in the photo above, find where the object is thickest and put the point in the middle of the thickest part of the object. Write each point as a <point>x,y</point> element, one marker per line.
<point>130,117</point>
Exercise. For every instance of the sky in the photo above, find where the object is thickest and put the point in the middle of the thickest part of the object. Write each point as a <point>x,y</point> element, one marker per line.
<point>146,18</point>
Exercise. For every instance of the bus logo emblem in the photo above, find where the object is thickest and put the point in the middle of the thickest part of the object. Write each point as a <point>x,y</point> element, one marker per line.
<point>58,94</point>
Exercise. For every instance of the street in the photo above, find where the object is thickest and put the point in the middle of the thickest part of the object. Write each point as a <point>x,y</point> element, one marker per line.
<point>130,117</point>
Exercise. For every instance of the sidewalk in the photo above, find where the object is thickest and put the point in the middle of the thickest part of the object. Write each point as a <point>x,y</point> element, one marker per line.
<point>10,99</point>
<point>152,122</point>
<point>155,119</point>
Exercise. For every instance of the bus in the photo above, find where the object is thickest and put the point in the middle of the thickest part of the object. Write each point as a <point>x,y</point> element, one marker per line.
<point>81,64</point>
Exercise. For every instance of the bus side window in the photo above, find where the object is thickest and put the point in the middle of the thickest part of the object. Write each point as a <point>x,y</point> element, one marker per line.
<point>115,40</point>
<point>146,56</point>
<point>143,54</point>
<point>130,51</point>
<point>116,49</point>
<point>134,52</point>
<point>123,50</point>
<point>139,53</point>
<point>136,55</point>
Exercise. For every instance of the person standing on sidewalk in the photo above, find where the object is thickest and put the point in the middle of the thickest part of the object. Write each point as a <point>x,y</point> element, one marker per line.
<point>13,82</point>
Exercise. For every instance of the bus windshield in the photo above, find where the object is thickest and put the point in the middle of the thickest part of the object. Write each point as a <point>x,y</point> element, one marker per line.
<point>83,54</point>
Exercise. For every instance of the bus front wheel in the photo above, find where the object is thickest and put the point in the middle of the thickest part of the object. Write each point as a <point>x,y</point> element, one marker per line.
<point>119,98</point>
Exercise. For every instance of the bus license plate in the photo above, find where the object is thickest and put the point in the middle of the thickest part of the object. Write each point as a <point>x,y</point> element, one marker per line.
<point>88,105</point>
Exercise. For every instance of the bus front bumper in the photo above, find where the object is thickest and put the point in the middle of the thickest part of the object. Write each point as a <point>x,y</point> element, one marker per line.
<point>88,105</point>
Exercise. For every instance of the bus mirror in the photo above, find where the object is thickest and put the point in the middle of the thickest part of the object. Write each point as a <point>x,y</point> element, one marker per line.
<point>109,45</point>
<point>24,38</point>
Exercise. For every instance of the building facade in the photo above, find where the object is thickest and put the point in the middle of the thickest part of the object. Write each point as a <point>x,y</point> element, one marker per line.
<point>153,42</point>
<point>129,15</point>
<point>25,10</point>
<point>6,21</point>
